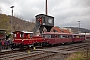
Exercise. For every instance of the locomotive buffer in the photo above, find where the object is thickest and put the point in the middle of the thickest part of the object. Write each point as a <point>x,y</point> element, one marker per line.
<point>43,21</point>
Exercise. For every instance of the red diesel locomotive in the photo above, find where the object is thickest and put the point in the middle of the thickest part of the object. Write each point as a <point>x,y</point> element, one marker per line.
<point>26,39</point>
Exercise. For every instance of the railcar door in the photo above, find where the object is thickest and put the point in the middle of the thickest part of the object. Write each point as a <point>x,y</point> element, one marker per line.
<point>57,40</point>
<point>49,39</point>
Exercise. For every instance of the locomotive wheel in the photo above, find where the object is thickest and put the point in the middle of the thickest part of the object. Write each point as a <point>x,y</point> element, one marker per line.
<point>44,44</point>
<point>21,47</point>
<point>37,44</point>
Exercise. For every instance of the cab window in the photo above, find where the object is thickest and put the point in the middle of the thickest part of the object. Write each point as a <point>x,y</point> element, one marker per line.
<point>21,35</point>
<point>31,35</point>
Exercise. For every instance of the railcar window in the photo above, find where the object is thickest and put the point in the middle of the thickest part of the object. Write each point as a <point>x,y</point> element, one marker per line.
<point>52,36</point>
<point>60,36</point>
<point>56,36</point>
<point>82,36</point>
<point>76,36</point>
<point>69,36</point>
<point>47,36</point>
<point>65,36</point>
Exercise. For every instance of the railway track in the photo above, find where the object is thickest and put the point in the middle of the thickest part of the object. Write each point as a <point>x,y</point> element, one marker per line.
<point>24,55</point>
<point>10,51</point>
<point>44,53</point>
<point>39,56</point>
<point>67,49</point>
<point>74,47</point>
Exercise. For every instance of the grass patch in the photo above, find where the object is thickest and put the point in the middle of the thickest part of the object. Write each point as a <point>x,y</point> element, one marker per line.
<point>79,56</point>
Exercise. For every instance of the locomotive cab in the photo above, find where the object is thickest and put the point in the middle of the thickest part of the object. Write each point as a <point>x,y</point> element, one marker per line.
<point>28,35</point>
<point>21,38</point>
<point>17,34</point>
<point>22,35</point>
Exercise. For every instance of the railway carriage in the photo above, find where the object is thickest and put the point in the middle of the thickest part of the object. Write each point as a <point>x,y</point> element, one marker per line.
<point>78,37</point>
<point>53,38</point>
<point>87,37</point>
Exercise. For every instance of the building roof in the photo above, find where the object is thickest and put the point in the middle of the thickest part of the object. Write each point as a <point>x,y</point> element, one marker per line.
<point>60,30</point>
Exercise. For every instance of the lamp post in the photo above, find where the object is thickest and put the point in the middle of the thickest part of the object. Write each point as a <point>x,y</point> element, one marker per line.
<point>11,17</point>
<point>79,26</point>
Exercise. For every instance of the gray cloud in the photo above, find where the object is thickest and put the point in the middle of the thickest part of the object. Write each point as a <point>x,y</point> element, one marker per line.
<point>66,12</point>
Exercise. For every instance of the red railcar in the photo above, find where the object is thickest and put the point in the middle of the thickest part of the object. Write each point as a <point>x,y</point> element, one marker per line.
<point>87,37</point>
<point>57,38</point>
<point>78,37</point>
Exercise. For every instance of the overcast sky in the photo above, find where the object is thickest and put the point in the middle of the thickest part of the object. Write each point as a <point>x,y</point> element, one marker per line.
<point>66,13</point>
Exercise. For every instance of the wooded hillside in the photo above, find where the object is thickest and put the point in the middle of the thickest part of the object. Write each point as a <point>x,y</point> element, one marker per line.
<point>17,23</point>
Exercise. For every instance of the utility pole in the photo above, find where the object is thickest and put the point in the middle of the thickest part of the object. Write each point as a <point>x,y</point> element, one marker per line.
<point>79,27</point>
